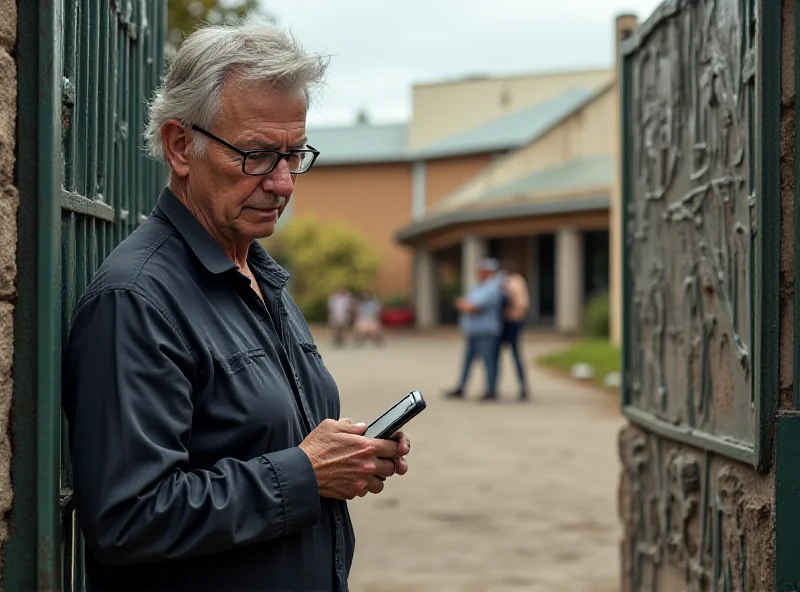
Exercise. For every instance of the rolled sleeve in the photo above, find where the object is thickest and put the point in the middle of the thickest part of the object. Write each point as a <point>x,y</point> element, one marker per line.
<point>297,483</point>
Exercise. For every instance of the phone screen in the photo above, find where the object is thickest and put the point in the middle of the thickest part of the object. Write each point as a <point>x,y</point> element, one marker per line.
<point>385,420</point>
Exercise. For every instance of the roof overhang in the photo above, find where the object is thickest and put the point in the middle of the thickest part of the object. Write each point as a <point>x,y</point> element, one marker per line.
<point>419,229</point>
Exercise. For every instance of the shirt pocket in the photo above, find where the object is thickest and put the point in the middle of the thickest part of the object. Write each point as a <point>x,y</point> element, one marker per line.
<point>310,348</point>
<point>242,359</point>
<point>250,404</point>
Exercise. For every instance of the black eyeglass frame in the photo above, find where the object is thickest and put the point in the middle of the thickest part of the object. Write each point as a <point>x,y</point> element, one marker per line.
<point>245,153</point>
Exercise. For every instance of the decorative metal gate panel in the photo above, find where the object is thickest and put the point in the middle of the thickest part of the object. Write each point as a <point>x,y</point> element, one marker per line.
<point>86,68</point>
<point>700,95</point>
<point>702,228</point>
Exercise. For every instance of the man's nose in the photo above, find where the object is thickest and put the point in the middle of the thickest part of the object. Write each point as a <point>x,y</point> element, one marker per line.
<point>279,181</point>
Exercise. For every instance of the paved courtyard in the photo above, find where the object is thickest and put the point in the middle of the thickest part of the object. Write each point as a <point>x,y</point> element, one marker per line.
<point>503,497</point>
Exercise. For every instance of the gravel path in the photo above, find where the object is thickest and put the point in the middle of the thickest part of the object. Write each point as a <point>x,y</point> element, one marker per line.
<point>499,497</point>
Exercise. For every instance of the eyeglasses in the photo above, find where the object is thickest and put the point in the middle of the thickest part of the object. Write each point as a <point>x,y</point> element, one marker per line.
<point>263,162</point>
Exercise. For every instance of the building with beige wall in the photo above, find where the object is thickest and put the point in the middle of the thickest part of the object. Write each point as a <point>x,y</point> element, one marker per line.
<point>518,167</point>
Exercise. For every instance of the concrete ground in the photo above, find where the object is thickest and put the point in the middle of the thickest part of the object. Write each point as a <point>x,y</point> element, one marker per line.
<point>499,497</point>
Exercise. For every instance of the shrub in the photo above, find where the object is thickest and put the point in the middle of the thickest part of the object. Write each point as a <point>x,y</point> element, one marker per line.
<point>397,300</point>
<point>597,316</point>
<point>322,257</point>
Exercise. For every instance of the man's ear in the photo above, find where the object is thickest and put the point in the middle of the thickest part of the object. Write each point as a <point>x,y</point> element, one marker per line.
<point>177,142</point>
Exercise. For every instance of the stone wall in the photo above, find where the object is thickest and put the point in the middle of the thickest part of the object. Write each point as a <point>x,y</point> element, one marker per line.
<point>8,242</point>
<point>677,504</point>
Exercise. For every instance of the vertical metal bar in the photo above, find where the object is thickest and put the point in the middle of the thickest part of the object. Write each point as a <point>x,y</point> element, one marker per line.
<point>105,120</point>
<point>160,24</point>
<point>768,95</point>
<point>149,83</point>
<point>70,91</point>
<point>79,110</point>
<point>113,130</point>
<point>67,296</point>
<point>122,113</point>
<point>104,113</point>
<point>48,332</point>
<point>82,272</point>
<point>85,98</point>
<point>93,41</point>
<point>787,511</point>
<point>93,250</point>
<point>68,258</point>
<point>137,66</point>
<point>130,140</point>
<point>118,129</point>
<point>624,91</point>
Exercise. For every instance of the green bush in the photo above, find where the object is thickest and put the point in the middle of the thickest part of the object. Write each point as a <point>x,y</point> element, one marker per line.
<point>322,257</point>
<point>397,300</point>
<point>597,316</point>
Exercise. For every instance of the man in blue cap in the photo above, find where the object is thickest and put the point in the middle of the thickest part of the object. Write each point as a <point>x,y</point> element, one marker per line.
<point>481,322</point>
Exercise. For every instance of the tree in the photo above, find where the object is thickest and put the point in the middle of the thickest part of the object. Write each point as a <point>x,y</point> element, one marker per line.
<point>322,257</point>
<point>362,117</point>
<point>184,15</point>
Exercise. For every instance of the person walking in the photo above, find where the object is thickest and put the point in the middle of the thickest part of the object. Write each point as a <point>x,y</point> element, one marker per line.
<point>516,301</point>
<point>481,323</point>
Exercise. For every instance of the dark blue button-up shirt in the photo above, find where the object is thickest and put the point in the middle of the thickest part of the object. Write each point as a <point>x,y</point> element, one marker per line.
<point>187,398</point>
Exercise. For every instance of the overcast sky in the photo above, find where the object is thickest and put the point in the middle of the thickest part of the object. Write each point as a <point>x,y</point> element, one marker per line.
<point>380,49</point>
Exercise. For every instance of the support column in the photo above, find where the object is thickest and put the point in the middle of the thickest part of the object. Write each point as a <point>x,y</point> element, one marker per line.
<point>569,280</point>
<point>532,275</point>
<point>419,199</point>
<point>473,249</point>
<point>624,26</point>
<point>426,297</point>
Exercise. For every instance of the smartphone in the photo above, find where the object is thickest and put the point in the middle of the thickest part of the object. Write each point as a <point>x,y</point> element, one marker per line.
<point>388,424</point>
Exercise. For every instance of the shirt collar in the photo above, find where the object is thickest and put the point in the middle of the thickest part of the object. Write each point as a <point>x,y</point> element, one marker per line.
<point>208,251</point>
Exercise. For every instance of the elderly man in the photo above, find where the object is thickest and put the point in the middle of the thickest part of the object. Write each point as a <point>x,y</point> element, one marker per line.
<point>481,322</point>
<point>204,428</point>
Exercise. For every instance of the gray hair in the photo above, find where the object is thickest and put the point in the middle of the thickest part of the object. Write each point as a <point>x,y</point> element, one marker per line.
<point>254,51</point>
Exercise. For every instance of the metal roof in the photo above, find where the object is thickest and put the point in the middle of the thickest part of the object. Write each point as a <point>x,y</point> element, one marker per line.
<point>365,143</point>
<point>513,130</point>
<point>523,197</point>
<point>587,172</point>
<point>359,144</point>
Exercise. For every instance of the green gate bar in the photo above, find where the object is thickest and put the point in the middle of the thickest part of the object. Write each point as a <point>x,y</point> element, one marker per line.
<point>86,70</point>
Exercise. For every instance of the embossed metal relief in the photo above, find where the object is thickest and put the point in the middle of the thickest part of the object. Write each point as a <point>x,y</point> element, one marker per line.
<point>691,227</point>
<point>691,513</point>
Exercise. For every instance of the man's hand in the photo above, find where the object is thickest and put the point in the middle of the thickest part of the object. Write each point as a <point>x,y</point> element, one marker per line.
<point>403,448</point>
<point>346,463</point>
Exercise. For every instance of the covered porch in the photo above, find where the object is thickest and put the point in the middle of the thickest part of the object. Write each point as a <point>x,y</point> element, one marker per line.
<point>562,249</point>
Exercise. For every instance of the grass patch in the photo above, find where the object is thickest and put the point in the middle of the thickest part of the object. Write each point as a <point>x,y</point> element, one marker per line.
<point>601,354</point>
